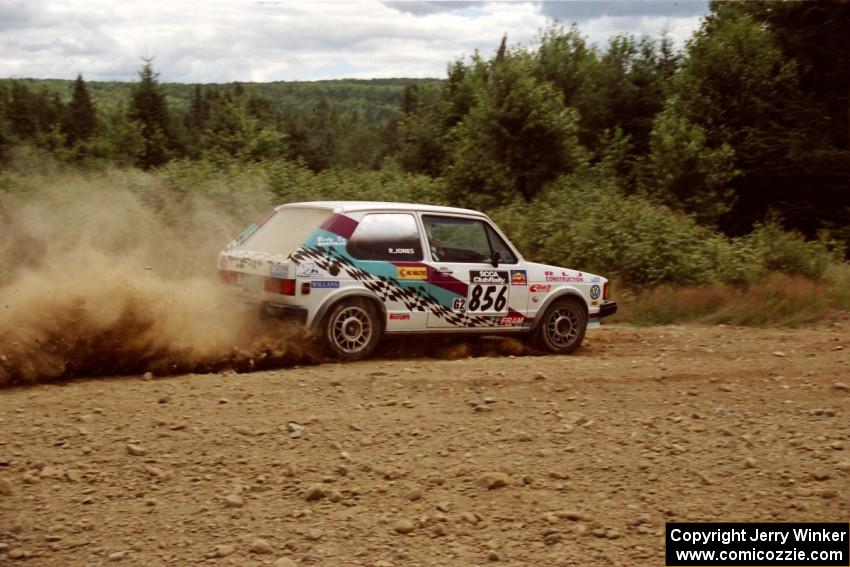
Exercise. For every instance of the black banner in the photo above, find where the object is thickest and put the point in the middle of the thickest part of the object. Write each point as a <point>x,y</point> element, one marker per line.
<point>743,544</point>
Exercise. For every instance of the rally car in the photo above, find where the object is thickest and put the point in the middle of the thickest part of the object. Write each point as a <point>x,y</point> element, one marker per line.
<point>355,271</point>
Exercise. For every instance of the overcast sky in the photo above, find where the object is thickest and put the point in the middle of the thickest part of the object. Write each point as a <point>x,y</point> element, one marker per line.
<point>248,40</point>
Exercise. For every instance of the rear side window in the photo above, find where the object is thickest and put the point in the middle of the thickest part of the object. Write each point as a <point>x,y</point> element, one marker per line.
<point>283,232</point>
<point>392,237</point>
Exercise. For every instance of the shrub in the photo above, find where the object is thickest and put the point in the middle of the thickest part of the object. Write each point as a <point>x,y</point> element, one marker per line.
<point>584,221</point>
<point>779,299</point>
<point>789,252</point>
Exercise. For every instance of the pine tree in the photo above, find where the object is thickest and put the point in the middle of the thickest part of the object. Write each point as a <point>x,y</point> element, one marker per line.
<point>503,49</point>
<point>199,109</point>
<point>148,108</point>
<point>81,119</point>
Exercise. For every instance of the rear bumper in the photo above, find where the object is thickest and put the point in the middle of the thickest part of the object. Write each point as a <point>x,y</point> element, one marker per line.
<point>607,308</point>
<point>286,312</point>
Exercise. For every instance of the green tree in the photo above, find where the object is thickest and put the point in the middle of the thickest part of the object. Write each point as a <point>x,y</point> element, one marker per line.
<point>148,108</point>
<point>622,89</point>
<point>322,136</point>
<point>736,84</point>
<point>420,134</point>
<point>80,121</point>
<point>232,130</point>
<point>814,36</point>
<point>516,137</point>
<point>123,139</point>
<point>29,112</point>
<point>684,174</point>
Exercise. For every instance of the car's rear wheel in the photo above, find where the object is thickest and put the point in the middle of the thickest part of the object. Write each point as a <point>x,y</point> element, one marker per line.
<point>352,329</point>
<point>563,326</point>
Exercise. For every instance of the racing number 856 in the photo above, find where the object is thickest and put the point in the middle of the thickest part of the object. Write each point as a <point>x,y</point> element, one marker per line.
<point>482,298</point>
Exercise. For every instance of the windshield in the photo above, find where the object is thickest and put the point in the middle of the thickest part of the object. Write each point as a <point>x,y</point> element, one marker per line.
<point>283,232</point>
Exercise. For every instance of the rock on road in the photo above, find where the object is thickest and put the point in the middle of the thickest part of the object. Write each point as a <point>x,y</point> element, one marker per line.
<point>572,460</point>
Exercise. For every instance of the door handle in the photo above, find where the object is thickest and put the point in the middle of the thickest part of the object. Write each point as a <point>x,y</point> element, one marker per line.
<point>444,270</point>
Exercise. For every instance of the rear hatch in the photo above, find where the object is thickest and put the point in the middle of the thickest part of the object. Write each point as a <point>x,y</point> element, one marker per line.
<point>258,259</point>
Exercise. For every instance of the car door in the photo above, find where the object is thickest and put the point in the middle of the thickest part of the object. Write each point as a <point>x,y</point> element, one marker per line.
<point>470,290</point>
<point>388,248</point>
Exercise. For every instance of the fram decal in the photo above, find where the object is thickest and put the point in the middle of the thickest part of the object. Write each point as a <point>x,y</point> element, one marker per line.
<point>324,284</point>
<point>412,273</point>
<point>519,277</point>
<point>280,272</point>
<point>511,321</point>
<point>540,288</point>
<point>399,316</point>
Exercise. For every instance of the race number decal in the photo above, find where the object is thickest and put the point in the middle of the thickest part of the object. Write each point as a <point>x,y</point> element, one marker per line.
<point>488,291</point>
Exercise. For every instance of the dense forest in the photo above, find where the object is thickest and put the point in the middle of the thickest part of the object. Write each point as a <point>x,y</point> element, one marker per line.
<point>683,165</point>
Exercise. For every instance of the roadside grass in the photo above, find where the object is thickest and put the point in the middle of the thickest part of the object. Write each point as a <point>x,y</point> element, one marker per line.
<point>779,299</point>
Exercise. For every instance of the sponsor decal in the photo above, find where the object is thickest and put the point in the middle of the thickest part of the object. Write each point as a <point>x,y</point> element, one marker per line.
<point>488,277</point>
<point>540,288</point>
<point>488,292</point>
<point>459,304</point>
<point>330,241</point>
<point>595,279</point>
<point>519,277</point>
<point>564,277</point>
<point>594,302</point>
<point>412,273</point>
<point>308,270</point>
<point>388,289</point>
<point>280,272</point>
<point>401,251</point>
<point>324,284</point>
<point>399,316</point>
<point>594,292</point>
<point>511,321</point>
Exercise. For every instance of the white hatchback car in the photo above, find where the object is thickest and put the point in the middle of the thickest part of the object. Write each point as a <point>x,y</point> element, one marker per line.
<point>354,271</point>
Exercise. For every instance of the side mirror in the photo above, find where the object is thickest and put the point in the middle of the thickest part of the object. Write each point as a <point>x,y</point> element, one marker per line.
<point>495,257</point>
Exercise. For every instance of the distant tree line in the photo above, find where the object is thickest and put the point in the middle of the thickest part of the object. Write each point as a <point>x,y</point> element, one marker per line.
<point>750,121</point>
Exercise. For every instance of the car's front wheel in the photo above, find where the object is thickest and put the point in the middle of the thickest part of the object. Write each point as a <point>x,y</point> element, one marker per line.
<point>352,329</point>
<point>563,326</point>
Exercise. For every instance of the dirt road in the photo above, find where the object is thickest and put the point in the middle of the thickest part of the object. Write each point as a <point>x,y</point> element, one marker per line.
<point>514,460</point>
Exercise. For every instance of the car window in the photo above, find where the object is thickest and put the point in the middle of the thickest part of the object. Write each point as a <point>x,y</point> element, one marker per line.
<point>454,239</point>
<point>500,246</point>
<point>282,231</point>
<point>386,236</point>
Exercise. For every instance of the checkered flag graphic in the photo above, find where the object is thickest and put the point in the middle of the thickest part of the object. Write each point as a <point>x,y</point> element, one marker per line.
<point>389,289</point>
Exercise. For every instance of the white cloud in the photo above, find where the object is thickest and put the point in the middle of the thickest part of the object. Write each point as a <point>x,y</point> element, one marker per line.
<point>237,40</point>
<point>679,29</point>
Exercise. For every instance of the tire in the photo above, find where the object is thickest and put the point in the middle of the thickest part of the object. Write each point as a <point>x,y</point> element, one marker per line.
<point>563,326</point>
<point>351,329</point>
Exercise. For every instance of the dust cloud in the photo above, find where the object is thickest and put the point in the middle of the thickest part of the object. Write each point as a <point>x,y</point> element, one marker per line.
<point>114,273</point>
<point>97,280</point>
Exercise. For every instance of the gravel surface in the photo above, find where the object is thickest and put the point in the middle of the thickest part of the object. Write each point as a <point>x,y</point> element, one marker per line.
<point>514,460</point>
